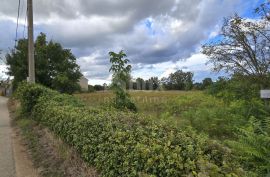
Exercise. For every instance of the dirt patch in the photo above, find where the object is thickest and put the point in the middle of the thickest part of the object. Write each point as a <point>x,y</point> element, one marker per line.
<point>23,163</point>
<point>50,157</point>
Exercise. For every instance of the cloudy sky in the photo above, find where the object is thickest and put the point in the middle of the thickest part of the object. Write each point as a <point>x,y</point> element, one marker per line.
<point>159,36</point>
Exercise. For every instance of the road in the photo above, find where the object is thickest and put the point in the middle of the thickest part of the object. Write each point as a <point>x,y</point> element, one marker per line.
<point>7,164</point>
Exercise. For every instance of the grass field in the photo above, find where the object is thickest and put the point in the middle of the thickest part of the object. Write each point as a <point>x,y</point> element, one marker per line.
<point>182,109</point>
<point>148,102</point>
<point>170,106</point>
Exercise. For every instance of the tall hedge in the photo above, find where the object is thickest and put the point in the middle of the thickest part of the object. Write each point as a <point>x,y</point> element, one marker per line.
<point>126,144</point>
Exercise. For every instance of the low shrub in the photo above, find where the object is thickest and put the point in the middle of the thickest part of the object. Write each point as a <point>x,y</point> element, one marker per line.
<point>253,145</point>
<point>215,117</point>
<point>236,88</point>
<point>126,144</point>
<point>28,95</point>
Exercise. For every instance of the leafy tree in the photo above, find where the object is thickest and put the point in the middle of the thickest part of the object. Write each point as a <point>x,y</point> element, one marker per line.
<point>140,84</point>
<point>206,83</point>
<point>198,86</point>
<point>121,75</point>
<point>91,88</point>
<point>179,80</point>
<point>98,87</point>
<point>243,48</point>
<point>237,87</point>
<point>55,67</point>
<point>152,83</point>
<point>105,86</point>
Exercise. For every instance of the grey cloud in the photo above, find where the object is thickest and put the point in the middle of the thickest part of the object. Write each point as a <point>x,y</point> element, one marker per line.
<point>73,8</point>
<point>105,25</point>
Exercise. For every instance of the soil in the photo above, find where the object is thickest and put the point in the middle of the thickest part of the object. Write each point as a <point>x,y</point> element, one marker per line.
<point>23,164</point>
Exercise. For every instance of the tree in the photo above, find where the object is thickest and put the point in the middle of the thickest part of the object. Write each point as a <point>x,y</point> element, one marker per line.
<point>152,83</point>
<point>140,84</point>
<point>179,80</point>
<point>263,10</point>
<point>198,86</point>
<point>55,67</point>
<point>98,87</point>
<point>243,48</point>
<point>91,88</point>
<point>206,83</point>
<point>121,76</point>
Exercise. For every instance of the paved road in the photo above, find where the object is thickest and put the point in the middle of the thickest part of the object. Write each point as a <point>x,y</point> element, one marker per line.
<point>7,165</point>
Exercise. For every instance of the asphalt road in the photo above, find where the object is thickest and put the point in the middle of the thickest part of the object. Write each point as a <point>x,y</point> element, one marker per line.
<point>7,164</point>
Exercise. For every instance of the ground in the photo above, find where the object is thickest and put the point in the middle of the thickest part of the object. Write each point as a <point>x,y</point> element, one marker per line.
<point>14,160</point>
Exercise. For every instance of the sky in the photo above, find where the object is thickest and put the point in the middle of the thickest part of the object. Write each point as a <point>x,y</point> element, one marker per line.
<point>158,36</point>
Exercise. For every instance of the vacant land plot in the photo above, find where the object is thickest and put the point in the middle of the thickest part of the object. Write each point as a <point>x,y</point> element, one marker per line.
<point>182,109</point>
<point>150,102</point>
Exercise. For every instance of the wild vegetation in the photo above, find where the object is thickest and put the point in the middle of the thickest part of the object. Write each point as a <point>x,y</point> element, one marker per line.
<point>223,130</point>
<point>124,143</point>
<point>224,113</point>
<point>121,76</point>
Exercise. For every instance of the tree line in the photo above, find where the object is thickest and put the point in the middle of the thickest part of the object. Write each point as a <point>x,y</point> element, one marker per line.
<point>178,80</point>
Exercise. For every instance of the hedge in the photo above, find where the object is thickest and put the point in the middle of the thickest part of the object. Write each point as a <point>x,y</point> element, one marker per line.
<point>126,144</point>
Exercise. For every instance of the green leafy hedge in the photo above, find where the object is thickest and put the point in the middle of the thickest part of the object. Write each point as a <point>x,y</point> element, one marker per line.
<point>126,144</point>
<point>29,94</point>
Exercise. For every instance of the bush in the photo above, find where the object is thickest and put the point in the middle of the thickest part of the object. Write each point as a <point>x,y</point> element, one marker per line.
<point>28,95</point>
<point>215,117</point>
<point>253,145</point>
<point>126,144</point>
<point>236,88</point>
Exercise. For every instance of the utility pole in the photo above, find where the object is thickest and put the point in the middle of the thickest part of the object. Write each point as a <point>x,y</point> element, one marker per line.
<point>31,60</point>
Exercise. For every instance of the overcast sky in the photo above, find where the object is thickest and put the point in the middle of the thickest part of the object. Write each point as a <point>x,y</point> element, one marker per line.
<point>159,36</point>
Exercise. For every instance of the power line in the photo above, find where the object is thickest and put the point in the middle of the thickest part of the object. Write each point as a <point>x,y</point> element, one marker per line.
<point>22,7</point>
<point>25,21</point>
<point>18,16</point>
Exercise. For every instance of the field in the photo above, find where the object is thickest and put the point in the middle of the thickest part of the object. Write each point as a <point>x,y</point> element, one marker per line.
<point>173,133</point>
<point>182,109</point>
<point>152,103</point>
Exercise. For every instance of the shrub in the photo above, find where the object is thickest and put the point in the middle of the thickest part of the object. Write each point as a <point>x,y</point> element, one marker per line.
<point>215,117</point>
<point>207,114</point>
<point>28,95</point>
<point>253,145</point>
<point>236,88</point>
<point>121,76</point>
<point>126,144</point>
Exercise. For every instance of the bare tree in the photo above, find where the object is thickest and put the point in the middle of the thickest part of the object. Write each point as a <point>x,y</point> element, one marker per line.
<point>243,48</point>
<point>264,10</point>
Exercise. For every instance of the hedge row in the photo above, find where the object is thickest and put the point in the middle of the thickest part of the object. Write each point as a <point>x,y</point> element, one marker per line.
<point>126,144</point>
